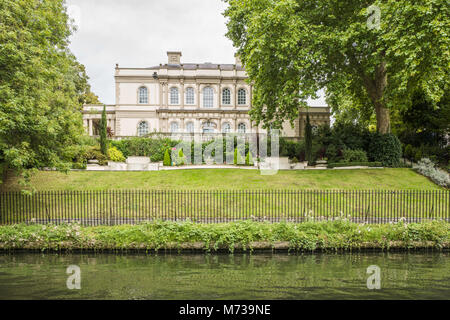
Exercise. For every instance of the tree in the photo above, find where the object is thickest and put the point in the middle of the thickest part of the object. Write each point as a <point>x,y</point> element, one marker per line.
<point>40,86</point>
<point>308,141</point>
<point>167,161</point>
<point>103,133</point>
<point>293,48</point>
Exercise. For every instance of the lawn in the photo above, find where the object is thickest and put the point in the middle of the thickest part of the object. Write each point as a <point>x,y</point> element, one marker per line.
<point>229,179</point>
<point>224,195</point>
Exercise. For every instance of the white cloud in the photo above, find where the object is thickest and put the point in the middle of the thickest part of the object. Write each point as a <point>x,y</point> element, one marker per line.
<point>138,33</point>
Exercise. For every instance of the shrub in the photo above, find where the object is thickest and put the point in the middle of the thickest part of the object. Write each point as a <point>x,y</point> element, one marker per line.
<point>153,147</point>
<point>103,133</point>
<point>409,152</point>
<point>354,155</point>
<point>238,157</point>
<point>333,153</point>
<point>249,159</point>
<point>427,168</point>
<point>167,161</point>
<point>308,141</point>
<point>115,155</point>
<point>354,164</point>
<point>181,159</point>
<point>385,148</point>
<point>94,153</point>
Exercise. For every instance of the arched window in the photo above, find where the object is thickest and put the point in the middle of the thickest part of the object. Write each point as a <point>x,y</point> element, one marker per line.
<point>143,95</point>
<point>208,97</point>
<point>226,127</point>
<point>190,127</point>
<point>242,96</point>
<point>190,95</point>
<point>174,97</point>
<point>174,127</point>
<point>226,96</point>
<point>142,129</point>
<point>208,127</point>
<point>242,128</point>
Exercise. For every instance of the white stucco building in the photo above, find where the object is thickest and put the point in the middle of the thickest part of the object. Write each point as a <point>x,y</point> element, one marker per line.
<point>181,97</point>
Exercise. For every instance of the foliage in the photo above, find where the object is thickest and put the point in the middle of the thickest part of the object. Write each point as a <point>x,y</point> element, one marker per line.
<point>249,159</point>
<point>167,161</point>
<point>349,155</point>
<point>103,133</point>
<point>291,49</point>
<point>181,159</point>
<point>153,146</point>
<point>428,169</point>
<point>423,127</point>
<point>385,148</point>
<point>339,234</point>
<point>94,153</point>
<point>42,86</point>
<point>238,159</point>
<point>352,164</point>
<point>115,155</point>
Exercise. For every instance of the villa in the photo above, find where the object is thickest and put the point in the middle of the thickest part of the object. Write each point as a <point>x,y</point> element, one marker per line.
<point>187,98</point>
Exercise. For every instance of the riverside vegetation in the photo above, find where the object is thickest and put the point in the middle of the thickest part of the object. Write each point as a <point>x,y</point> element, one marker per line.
<point>339,234</point>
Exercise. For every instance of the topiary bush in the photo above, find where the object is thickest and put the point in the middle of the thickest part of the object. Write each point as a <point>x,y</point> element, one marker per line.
<point>385,148</point>
<point>249,159</point>
<point>238,157</point>
<point>181,159</point>
<point>167,161</point>
<point>115,155</point>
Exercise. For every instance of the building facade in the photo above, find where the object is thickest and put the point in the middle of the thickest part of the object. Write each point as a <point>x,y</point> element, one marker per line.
<point>190,98</point>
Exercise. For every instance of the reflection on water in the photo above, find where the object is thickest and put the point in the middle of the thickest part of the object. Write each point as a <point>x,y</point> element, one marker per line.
<point>259,276</point>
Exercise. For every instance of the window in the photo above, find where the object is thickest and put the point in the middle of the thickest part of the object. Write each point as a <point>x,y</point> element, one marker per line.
<point>208,127</point>
<point>189,95</point>
<point>174,98</point>
<point>226,127</point>
<point>242,128</point>
<point>226,96</point>
<point>208,97</point>
<point>190,127</point>
<point>143,95</point>
<point>174,127</point>
<point>142,128</point>
<point>242,96</point>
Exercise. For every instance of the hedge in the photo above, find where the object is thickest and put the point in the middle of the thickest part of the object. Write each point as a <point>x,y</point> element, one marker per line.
<point>354,164</point>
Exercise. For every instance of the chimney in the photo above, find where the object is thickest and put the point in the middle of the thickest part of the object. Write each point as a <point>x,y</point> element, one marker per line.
<point>238,60</point>
<point>174,57</point>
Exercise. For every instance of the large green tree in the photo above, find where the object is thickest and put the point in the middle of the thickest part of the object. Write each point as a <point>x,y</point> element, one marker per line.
<point>293,48</point>
<point>42,86</point>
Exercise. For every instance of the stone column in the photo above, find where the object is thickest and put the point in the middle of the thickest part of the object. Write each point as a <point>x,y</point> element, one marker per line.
<point>90,127</point>
<point>235,96</point>
<point>182,94</point>
<point>198,96</point>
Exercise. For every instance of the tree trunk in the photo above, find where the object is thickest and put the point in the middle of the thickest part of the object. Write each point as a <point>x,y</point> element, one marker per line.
<point>383,118</point>
<point>376,88</point>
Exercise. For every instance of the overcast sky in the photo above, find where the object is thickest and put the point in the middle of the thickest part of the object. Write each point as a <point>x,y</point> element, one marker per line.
<point>138,33</point>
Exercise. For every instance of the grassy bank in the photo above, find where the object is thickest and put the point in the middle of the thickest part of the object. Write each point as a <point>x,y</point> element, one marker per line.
<point>246,235</point>
<point>229,179</point>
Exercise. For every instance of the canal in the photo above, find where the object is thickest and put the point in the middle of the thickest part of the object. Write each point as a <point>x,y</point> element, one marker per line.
<point>238,276</point>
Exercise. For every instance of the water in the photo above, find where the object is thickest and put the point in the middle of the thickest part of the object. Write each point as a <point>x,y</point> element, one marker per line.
<point>239,276</point>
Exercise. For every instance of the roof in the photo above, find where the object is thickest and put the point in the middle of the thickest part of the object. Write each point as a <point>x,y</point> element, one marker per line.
<point>195,66</point>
